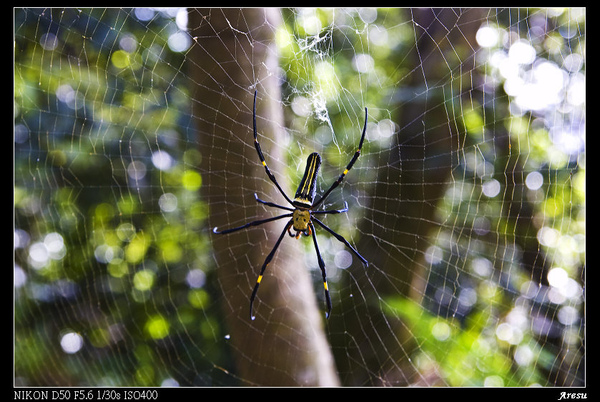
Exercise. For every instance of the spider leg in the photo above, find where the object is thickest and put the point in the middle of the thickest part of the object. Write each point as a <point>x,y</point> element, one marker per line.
<point>253,223</point>
<point>323,271</point>
<point>261,156</point>
<point>264,266</point>
<point>333,211</point>
<point>341,238</point>
<point>272,204</point>
<point>348,167</point>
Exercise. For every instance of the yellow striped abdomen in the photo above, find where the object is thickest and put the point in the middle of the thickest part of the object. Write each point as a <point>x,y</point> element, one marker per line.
<point>307,190</point>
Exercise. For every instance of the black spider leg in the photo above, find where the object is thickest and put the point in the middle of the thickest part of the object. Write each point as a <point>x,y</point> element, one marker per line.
<point>262,158</point>
<point>323,270</point>
<point>332,211</point>
<point>264,266</point>
<point>341,238</point>
<point>253,223</point>
<point>272,204</point>
<point>348,167</point>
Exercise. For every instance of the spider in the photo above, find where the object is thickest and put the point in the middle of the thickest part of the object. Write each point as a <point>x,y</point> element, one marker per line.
<point>302,215</point>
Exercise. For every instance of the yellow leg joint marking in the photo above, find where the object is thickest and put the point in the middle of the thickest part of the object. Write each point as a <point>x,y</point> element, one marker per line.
<point>325,285</point>
<point>264,163</point>
<point>259,279</point>
<point>345,172</point>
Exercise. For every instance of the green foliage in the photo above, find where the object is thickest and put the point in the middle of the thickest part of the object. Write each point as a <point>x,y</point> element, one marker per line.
<point>469,353</point>
<point>113,223</point>
<point>514,221</point>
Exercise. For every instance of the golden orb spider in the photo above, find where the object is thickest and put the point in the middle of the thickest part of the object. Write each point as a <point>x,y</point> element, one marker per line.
<point>302,215</point>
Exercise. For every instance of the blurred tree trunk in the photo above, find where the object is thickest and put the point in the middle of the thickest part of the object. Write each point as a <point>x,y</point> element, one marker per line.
<point>410,184</point>
<point>234,53</point>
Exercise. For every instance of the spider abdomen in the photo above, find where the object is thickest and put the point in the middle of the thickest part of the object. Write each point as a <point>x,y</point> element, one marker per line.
<point>307,190</point>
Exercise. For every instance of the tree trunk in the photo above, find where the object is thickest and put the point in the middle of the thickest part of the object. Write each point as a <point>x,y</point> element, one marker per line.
<point>410,183</point>
<point>234,53</point>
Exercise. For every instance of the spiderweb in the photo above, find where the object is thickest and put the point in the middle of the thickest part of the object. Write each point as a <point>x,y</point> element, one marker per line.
<point>133,139</point>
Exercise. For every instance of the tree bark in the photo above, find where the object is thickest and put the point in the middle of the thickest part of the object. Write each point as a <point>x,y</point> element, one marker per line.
<point>234,54</point>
